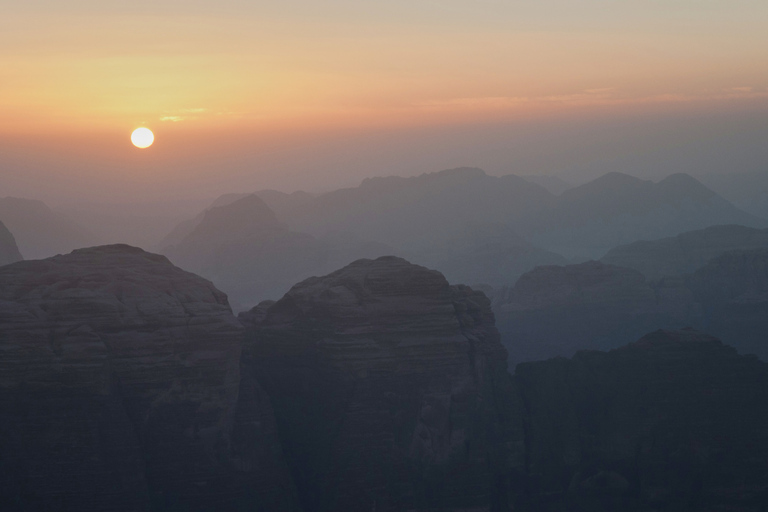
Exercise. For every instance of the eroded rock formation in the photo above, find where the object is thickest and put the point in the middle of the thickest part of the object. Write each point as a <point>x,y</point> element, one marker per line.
<point>390,390</point>
<point>120,389</point>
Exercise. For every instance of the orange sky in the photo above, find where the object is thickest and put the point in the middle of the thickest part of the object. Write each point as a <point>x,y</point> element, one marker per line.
<point>98,65</point>
<point>231,80</point>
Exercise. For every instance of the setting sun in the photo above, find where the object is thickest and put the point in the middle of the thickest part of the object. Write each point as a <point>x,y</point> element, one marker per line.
<point>142,137</point>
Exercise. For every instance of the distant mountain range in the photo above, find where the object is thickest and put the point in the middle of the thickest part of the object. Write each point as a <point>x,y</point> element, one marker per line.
<point>557,310</point>
<point>686,252</point>
<point>617,209</point>
<point>473,227</point>
<point>242,247</point>
<point>39,232</point>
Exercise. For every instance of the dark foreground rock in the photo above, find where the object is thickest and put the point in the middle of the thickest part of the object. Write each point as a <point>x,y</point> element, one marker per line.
<point>676,421</point>
<point>120,390</point>
<point>390,390</point>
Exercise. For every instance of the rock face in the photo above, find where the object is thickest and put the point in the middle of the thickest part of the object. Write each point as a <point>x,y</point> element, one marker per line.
<point>120,389</point>
<point>676,421</point>
<point>557,310</point>
<point>9,251</point>
<point>390,390</point>
<point>687,252</point>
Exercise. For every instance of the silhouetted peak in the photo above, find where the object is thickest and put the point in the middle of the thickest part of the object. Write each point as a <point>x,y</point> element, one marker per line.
<point>242,218</point>
<point>684,185</point>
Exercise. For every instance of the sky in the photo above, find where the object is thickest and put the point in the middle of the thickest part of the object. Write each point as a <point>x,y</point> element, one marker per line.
<point>315,95</point>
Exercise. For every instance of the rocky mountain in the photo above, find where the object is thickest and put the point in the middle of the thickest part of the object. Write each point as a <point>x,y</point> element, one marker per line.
<point>390,390</point>
<point>459,221</point>
<point>413,213</point>
<point>558,310</point>
<point>39,232</point>
<point>126,384</point>
<point>555,311</point>
<point>243,248</point>
<point>618,209</point>
<point>9,251</point>
<point>687,252</point>
<point>120,389</point>
<point>676,421</point>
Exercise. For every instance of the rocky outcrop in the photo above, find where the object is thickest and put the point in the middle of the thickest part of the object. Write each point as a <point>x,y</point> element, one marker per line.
<point>675,421</point>
<point>120,389</point>
<point>687,252</point>
<point>9,251</point>
<point>557,310</point>
<point>390,390</point>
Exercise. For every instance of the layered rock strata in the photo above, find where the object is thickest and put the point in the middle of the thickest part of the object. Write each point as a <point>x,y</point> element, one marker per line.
<point>390,390</point>
<point>120,390</point>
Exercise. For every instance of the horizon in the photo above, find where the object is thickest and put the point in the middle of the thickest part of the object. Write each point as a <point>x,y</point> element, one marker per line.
<point>298,97</point>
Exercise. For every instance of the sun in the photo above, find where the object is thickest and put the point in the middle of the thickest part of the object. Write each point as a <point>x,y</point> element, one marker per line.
<point>142,137</point>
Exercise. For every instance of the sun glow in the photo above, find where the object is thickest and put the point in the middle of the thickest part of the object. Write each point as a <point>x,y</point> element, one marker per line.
<point>142,137</point>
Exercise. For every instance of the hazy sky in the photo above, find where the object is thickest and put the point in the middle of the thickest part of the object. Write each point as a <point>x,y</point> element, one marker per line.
<point>250,93</point>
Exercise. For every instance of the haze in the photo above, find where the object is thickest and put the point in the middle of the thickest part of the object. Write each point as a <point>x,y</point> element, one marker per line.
<point>300,95</point>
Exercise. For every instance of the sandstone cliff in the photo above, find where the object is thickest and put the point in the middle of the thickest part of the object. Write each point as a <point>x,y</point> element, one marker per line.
<point>120,390</point>
<point>390,390</point>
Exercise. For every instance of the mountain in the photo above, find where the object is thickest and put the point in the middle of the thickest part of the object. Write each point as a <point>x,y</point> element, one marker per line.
<point>485,253</point>
<point>9,252</point>
<point>674,421</point>
<point>411,214</point>
<point>458,221</point>
<point>243,248</point>
<point>121,390</point>
<point>39,232</point>
<point>687,252</point>
<point>618,209</point>
<point>733,292</point>
<point>553,184</point>
<point>747,190</point>
<point>558,310</point>
<point>126,384</point>
<point>390,390</point>
<point>555,311</point>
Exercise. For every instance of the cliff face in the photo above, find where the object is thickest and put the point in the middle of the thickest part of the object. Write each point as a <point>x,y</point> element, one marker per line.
<point>675,421</point>
<point>9,251</point>
<point>119,386</point>
<point>390,390</point>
